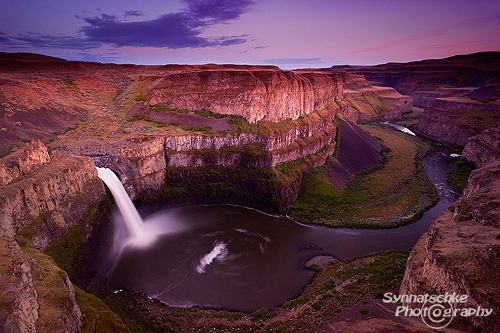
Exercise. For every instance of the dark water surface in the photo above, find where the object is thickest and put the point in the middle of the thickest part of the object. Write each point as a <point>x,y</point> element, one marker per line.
<point>241,259</point>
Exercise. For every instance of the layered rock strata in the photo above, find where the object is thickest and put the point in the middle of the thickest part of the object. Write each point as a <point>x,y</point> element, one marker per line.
<point>377,103</point>
<point>364,102</point>
<point>483,148</point>
<point>52,198</point>
<point>23,162</point>
<point>36,295</point>
<point>257,95</point>
<point>461,251</point>
<point>42,198</point>
<point>434,78</point>
<point>141,160</point>
<point>454,120</point>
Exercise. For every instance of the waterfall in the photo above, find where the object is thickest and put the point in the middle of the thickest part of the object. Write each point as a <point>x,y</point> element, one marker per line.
<point>133,221</point>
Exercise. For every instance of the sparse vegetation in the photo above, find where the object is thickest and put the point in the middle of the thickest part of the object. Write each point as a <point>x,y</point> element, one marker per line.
<point>141,98</point>
<point>388,196</point>
<point>459,173</point>
<point>334,288</point>
<point>69,81</point>
<point>206,130</point>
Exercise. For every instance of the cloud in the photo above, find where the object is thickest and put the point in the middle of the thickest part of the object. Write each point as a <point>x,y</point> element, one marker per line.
<point>128,13</point>
<point>3,38</point>
<point>177,30</point>
<point>50,41</point>
<point>218,10</point>
<point>293,61</point>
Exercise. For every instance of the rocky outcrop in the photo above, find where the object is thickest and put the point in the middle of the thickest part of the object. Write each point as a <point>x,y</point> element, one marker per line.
<point>461,251</point>
<point>422,98</point>
<point>141,161</point>
<point>454,120</point>
<point>36,296</point>
<point>42,198</point>
<point>52,198</point>
<point>377,103</point>
<point>483,148</point>
<point>23,162</point>
<point>363,102</point>
<point>257,95</point>
<point>18,306</point>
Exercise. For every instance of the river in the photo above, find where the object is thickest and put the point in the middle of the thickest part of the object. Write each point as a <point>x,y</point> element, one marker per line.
<point>237,258</point>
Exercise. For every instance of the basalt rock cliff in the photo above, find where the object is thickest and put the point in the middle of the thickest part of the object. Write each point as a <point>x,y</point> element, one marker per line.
<point>207,133</point>
<point>483,148</point>
<point>434,78</point>
<point>461,251</point>
<point>257,95</point>
<point>42,198</point>
<point>364,102</point>
<point>460,94</point>
<point>454,120</point>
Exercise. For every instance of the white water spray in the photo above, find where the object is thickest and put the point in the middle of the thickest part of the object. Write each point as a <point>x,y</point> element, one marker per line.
<point>218,252</point>
<point>137,233</point>
<point>400,128</point>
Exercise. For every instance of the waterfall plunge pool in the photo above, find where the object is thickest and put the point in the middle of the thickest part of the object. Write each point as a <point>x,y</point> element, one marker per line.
<point>236,258</point>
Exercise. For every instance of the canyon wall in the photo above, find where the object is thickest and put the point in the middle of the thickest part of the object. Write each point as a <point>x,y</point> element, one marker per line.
<point>454,120</point>
<point>42,198</point>
<point>36,295</point>
<point>51,198</point>
<point>363,102</point>
<point>483,148</point>
<point>141,161</point>
<point>377,103</point>
<point>257,95</point>
<point>434,78</point>
<point>461,251</point>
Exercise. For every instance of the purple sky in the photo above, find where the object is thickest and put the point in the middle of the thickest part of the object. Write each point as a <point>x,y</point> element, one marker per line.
<point>286,33</point>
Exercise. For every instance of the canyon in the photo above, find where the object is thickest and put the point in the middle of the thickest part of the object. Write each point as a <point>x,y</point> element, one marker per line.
<point>461,251</point>
<point>459,95</point>
<point>223,133</point>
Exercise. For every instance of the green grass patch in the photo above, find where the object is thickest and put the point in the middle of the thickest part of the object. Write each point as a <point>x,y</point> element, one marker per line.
<point>391,195</point>
<point>97,316</point>
<point>141,98</point>
<point>206,130</point>
<point>69,81</point>
<point>459,173</point>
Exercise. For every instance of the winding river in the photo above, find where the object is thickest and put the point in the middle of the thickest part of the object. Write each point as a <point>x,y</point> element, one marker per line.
<point>236,258</point>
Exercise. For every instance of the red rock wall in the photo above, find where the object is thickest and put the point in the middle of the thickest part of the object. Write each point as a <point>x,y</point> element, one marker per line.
<point>461,251</point>
<point>256,95</point>
<point>483,148</point>
<point>455,120</point>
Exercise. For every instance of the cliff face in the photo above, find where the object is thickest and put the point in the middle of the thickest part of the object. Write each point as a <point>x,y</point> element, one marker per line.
<point>454,120</point>
<point>36,295</point>
<point>363,102</point>
<point>141,161</point>
<point>23,162</point>
<point>41,199</point>
<point>19,308</point>
<point>377,103</point>
<point>256,95</point>
<point>50,197</point>
<point>436,78</point>
<point>483,148</point>
<point>461,251</point>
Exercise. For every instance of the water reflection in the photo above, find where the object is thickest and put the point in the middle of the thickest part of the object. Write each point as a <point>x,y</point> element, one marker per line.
<point>240,259</point>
